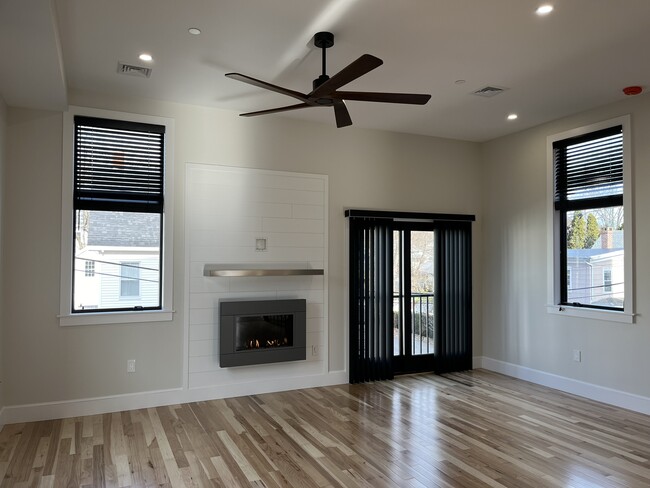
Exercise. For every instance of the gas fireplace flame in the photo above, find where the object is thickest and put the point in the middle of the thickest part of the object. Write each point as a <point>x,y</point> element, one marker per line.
<point>256,344</point>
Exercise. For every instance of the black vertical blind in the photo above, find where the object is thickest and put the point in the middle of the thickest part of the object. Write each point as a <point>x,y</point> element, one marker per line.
<point>371,300</point>
<point>453,297</point>
<point>371,292</point>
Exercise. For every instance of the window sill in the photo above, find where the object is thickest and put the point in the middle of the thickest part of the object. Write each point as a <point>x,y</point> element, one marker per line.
<point>105,318</point>
<point>590,313</point>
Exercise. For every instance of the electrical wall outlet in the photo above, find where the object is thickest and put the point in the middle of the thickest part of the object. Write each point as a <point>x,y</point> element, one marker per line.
<point>577,355</point>
<point>130,365</point>
<point>314,351</point>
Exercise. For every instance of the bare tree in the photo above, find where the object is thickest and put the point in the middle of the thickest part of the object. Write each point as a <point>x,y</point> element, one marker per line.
<point>609,217</point>
<point>422,262</point>
<point>81,232</point>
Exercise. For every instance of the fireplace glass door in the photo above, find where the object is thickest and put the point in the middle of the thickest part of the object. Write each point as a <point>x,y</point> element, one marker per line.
<point>263,331</point>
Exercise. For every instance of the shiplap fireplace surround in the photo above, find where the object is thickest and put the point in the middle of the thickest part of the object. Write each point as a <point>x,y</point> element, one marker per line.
<point>228,210</point>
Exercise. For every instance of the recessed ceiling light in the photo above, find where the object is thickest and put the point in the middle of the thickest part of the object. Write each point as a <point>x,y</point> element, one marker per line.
<point>544,9</point>
<point>512,117</point>
<point>145,57</point>
<point>459,82</point>
<point>194,31</point>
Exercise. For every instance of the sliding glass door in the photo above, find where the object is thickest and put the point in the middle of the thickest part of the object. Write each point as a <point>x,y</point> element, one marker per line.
<point>410,301</point>
<point>413,297</point>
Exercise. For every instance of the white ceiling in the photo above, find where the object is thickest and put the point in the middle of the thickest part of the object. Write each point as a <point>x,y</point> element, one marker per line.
<point>578,57</point>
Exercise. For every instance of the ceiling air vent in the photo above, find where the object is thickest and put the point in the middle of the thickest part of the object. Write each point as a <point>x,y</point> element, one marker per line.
<point>489,91</point>
<point>129,69</point>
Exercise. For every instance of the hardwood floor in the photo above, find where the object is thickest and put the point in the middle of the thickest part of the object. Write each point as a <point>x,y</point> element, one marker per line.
<point>462,430</point>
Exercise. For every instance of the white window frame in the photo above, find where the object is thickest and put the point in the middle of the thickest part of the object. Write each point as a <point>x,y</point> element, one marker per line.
<point>553,229</point>
<point>66,317</point>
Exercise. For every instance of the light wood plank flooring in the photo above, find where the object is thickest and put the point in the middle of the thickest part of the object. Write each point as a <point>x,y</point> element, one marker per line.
<point>462,430</point>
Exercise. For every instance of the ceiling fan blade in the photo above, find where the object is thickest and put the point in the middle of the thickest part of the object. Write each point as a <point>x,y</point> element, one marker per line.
<point>267,86</point>
<point>275,110</point>
<point>411,98</point>
<point>351,72</point>
<point>341,113</point>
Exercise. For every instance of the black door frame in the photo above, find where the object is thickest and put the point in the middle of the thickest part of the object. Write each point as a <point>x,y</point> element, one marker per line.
<point>406,362</point>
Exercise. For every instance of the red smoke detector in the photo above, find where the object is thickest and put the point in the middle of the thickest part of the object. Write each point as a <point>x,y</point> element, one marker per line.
<point>632,90</point>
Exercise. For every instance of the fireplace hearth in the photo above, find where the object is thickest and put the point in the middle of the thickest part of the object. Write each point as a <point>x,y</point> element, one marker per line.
<point>261,332</point>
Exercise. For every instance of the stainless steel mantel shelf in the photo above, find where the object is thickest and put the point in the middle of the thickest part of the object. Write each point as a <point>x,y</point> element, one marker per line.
<point>223,271</point>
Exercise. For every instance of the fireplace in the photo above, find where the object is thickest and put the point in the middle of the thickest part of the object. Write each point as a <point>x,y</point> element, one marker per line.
<point>260,332</point>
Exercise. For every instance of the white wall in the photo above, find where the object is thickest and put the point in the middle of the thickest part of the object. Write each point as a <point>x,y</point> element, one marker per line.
<point>516,326</point>
<point>366,169</point>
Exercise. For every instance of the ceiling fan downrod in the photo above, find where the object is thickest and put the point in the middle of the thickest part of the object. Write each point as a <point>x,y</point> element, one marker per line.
<point>323,40</point>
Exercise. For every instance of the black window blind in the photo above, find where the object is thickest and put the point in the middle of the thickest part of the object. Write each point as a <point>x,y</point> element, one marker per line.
<point>589,168</point>
<point>118,166</point>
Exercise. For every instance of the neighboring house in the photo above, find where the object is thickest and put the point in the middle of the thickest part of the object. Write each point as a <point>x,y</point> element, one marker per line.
<point>118,268</point>
<point>595,276</point>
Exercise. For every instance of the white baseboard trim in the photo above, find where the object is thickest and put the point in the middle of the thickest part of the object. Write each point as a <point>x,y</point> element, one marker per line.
<point>618,398</point>
<point>116,403</point>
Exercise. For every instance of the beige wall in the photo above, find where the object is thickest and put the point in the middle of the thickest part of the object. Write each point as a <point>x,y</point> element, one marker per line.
<point>503,182</point>
<point>516,326</point>
<point>3,147</point>
<point>366,169</point>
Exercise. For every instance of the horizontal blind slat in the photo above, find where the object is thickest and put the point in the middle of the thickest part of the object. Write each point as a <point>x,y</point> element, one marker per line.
<point>119,162</point>
<point>589,166</point>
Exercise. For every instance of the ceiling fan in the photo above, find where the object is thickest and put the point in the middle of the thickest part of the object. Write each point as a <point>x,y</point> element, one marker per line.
<point>325,89</point>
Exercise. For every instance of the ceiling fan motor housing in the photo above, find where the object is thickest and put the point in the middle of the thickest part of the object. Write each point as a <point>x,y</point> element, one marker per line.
<point>319,81</point>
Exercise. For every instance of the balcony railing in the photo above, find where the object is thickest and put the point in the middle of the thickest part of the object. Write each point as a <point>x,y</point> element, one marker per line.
<point>422,324</point>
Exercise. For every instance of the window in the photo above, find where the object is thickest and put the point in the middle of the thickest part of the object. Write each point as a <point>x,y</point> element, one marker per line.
<point>607,280</point>
<point>590,176</point>
<point>117,209</point>
<point>130,279</point>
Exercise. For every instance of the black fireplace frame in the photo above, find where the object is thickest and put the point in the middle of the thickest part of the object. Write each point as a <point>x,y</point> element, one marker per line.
<point>228,313</point>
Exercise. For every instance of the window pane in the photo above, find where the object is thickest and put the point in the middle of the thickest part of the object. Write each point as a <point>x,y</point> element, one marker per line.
<point>397,293</point>
<point>129,279</point>
<point>124,249</point>
<point>422,335</point>
<point>594,241</point>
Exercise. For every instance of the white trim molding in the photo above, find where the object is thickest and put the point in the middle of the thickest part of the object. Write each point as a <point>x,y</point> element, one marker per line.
<point>553,228</point>
<point>599,393</point>
<point>66,317</point>
<point>150,399</point>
